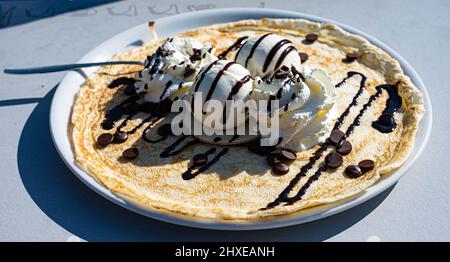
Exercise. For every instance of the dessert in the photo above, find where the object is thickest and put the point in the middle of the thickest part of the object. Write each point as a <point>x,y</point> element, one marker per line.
<point>347,116</point>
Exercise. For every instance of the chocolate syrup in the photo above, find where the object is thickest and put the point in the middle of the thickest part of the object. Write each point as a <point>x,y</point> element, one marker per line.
<point>354,102</point>
<point>386,122</point>
<point>391,106</point>
<point>216,80</point>
<point>199,81</point>
<point>168,84</point>
<point>284,55</point>
<point>234,46</point>
<point>171,149</point>
<point>116,113</point>
<point>250,55</point>
<point>121,81</point>
<point>190,173</point>
<point>234,90</point>
<point>233,138</point>
<point>273,51</point>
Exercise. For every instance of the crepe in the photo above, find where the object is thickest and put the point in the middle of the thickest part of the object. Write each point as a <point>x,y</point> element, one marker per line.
<point>240,186</point>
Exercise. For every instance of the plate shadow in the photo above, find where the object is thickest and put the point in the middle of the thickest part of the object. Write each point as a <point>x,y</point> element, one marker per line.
<point>79,210</point>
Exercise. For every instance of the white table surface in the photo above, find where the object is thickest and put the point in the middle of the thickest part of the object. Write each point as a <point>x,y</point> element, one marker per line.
<point>41,200</point>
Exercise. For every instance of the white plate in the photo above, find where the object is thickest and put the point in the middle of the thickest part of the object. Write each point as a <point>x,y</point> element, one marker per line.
<point>63,99</point>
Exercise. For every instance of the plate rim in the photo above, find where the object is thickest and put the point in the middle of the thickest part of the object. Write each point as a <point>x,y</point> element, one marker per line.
<point>282,221</point>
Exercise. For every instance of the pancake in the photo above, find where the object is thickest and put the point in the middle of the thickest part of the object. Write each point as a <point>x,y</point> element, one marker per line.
<point>238,184</point>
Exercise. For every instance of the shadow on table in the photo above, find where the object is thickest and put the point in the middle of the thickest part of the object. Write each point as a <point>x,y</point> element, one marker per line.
<point>78,209</point>
<point>19,12</point>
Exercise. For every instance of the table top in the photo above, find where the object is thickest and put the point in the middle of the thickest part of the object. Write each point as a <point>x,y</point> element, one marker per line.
<point>43,201</point>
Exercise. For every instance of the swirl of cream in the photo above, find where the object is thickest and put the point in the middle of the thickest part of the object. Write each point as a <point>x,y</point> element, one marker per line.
<point>170,71</point>
<point>263,55</point>
<point>306,107</point>
<point>221,80</point>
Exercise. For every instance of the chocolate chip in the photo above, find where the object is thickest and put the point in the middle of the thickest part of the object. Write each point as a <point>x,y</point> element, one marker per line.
<point>197,55</point>
<point>366,165</point>
<point>280,74</point>
<point>336,136</point>
<point>274,158</point>
<point>353,171</point>
<point>303,56</point>
<point>280,169</point>
<point>164,52</point>
<point>344,147</point>
<point>333,160</point>
<point>131,108</point>
<point>120,137</point>
<point>350,57</point>
<point>130,153</point>
<point>288,155</point>
<point>284,68</point>
<point>129,90</point>
<point>311,37</point>
<point>104,139</point>
<point>164,130</point>
<point>386,120</point>
<point>147,107</point>
<point>188,71</point>
<point>200,159</point>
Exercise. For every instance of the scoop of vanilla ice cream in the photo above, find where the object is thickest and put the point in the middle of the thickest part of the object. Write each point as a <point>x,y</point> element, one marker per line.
<point>172,68</point>
<point>221,80</point>
<point>306,108</point>
<point>262,55</point>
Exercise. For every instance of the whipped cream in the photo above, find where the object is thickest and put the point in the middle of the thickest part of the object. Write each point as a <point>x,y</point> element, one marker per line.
<point>262,55</point>
<point>221,80</point>
<point>170,71</point>
<point>306,107</point>
<point>266,67</point>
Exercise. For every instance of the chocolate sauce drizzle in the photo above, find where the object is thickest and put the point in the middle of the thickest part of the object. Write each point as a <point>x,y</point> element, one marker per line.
<point>283,197</point>
<point>233,138</point>
<point>284,55</point>
<point>234,46</point>
<point>171,149</point>
<point>386,122</point>
<point>393,103</point>
<point>354,102</point>
<point>144,137</point>
<point>234,90</point>
<point>146,120</point>
<point>190,173</point>
<point>121,81</point>
<point>199,81</point>
<point>216,80</point>
<point>116,113</point>
<point>272,53</point>
<point>168,84</point>
<point>250,55</point>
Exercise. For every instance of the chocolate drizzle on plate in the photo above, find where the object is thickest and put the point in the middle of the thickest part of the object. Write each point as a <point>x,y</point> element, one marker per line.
<point>172,150</point>
<point>116,113</point>
<point>354,102</point>
<point>233,47</point>
<point>250,55</point>
<point>392,105</point>
<point>386,122</point>
<point>272,53</point>
<point>190,173</point>
<point>201,162</point>
<point>121,81</point>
